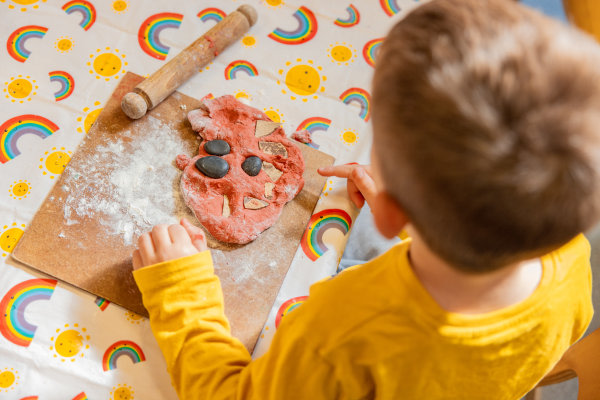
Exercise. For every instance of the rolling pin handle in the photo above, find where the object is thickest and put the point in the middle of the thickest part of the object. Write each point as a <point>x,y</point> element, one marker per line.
<point>134,105</point>
<point>249,12</point>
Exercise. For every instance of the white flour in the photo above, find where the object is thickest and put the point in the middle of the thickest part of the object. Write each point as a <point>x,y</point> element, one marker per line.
<point>140,189</point>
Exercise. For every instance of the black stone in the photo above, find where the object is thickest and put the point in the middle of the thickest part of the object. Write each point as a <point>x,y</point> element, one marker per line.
<point>217,147</point>
<point>252,165</point>
<point>212,166</point>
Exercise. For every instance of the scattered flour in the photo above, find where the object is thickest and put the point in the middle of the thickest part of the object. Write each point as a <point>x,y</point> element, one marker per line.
<point>128,187</point>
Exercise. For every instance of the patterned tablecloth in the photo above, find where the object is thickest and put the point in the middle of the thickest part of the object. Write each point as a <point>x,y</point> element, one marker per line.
<point>306,63</point>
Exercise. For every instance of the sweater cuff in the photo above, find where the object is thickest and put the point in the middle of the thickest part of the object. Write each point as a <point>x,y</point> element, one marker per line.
<point>168,273</point>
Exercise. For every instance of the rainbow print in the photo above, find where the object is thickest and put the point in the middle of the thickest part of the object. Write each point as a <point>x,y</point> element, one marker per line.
<point>287,307</point>
<point>85,8</point>
<point>307,29</point>
<point>149,33</point>
<point>240,65</point>
<point>212,14</point>
<point>312,240</point>
<point>101,303</point>
<point>314,124</point>
<point>29,398</point>
<point>13,325</point>
<point>360,96</point>
<point>370,51</point>
<point>122,348</point>
<point>66,82</point>
<point>353,18</point>
<point>390,7</point>
<point>16,41</point>
<point>12,130</point>
<point>81,396</point>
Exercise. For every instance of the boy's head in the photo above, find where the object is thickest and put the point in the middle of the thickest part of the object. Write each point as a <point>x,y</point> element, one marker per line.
<point>486,119</point>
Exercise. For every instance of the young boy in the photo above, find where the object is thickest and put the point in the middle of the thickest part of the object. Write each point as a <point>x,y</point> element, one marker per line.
<point>486,150</point>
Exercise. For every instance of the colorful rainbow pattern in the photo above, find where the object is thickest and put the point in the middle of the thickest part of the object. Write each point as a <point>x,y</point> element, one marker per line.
<point>122,348</point>
<point>390,7</point>
<point>29,398</point>
<point>212,14</point>
<point>13,325</point>
<point>81,396</point>
<point>312,240</point>
<point>370,51</point>
<point>66,82</point>
<point>353,18</point>
<point>101,303</point>
<point>149,32</point>
<point>360,96</point>
<point>287,307</point>
<point>85,8</point>
<point>12,130</point>
<point>314,124</point>
<point>16,41</point>
<point>240,65</point>
<point>307,29</point>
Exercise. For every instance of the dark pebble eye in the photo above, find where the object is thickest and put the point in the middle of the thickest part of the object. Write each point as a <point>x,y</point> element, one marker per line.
<point>217,147</point>
<point>252,165</point>
<point>212,166</point>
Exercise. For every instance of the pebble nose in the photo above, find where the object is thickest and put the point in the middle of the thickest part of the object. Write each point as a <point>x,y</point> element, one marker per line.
<point>252,165</point>
<point>212,166</point>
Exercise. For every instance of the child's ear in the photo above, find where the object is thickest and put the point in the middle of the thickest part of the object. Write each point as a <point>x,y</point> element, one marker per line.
<point>389,216</point>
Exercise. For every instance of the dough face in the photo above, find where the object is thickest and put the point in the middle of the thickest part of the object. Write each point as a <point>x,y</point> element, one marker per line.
<point>238,206</point>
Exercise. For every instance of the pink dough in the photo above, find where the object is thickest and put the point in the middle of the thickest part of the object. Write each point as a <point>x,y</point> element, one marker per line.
<point>230,120</point>
<point>302,136</point>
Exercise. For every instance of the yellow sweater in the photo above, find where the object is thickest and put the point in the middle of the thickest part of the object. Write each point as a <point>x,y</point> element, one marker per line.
<point>373,331</point>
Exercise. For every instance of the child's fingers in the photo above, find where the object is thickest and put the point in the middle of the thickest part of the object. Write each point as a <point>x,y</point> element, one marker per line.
<point>137,260</point>
<point>341,171</point>
<point>355,195</point>
<point>160,237</point>
<point>146,247</point>
<point>177,233</point>
<point>196,234</point>
<point>364,183</point>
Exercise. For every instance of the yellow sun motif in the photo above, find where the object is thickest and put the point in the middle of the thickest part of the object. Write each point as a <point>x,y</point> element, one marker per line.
<point>122,392</point>
<point>349,136</point>
<point>206,67</point>
<point>273,3</point>
<point>249,41</point>
<point>20,89</point>
<point>274,114</point>
<point>303,80</point>
<point>10,237</point>
<point>327,188</point>
<point>19,189</point>
<point>22,3</point>
<point>9,379</point>
<point>133,317</point>
<point>70,342</point>
<point>90,117</point>
<point>55,162</point>
<point>243,96</point>
<point>64,44</point>
<point>120,6</point>
<point>107,63</point>
<point>341,53</point>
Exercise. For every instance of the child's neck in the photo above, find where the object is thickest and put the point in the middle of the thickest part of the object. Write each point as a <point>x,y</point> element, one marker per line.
<point>460,292</point>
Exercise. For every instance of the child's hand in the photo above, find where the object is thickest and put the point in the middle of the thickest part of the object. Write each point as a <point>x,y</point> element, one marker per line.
<point>166,243</point>
<point>361,185</point>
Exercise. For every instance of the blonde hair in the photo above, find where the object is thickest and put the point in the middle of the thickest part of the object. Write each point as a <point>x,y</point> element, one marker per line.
<point>486,118</point>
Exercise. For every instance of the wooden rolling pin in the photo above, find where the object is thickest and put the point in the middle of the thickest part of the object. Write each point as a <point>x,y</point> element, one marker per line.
<point>203,50</point>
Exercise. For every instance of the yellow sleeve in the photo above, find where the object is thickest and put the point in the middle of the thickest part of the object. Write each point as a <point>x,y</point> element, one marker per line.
<point>185,303</point>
